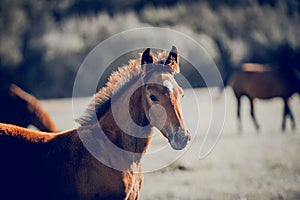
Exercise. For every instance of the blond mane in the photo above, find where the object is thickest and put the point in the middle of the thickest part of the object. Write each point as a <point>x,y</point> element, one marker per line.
<point>118,79</point>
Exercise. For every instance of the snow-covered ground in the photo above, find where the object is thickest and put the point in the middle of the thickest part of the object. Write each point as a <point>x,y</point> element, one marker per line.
<point>242,165</point>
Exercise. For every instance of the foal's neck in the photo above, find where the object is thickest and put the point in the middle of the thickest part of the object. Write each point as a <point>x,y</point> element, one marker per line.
<point>128,128</point>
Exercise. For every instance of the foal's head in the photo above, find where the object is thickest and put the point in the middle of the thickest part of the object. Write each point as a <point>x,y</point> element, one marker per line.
<point>162,97</point>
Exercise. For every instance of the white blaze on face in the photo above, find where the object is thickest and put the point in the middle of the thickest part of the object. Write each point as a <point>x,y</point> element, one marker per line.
<point>168,85</point>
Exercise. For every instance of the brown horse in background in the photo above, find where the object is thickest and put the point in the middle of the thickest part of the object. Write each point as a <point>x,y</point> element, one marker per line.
<point>263,82</point>
<point>38,165</point>
<point>20,108</point>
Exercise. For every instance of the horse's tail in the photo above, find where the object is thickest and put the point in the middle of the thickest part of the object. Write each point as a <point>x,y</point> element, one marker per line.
<point>37,115</point>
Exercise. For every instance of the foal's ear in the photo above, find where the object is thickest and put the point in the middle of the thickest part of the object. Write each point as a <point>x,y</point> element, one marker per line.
<point>147,58</point>
<point>173,60</point>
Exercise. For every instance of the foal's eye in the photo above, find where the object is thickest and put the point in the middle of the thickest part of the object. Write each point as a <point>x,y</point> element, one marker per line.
<point>153,98</point>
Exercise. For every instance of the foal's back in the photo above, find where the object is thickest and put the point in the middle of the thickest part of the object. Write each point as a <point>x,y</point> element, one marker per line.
<point>39,165</point>
<point>27,160</point>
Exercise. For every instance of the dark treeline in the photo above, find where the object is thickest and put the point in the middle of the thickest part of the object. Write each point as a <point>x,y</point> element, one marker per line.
<point>43,43</point>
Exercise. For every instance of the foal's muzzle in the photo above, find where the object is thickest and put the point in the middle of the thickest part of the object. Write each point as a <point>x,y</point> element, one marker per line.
<point>179,139</point>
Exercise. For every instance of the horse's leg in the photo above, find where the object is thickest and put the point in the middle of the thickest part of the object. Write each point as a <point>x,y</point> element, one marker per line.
<point>238,98</point>
<point>293,120</point>
<point>287,112</point>
<point>252,113</point>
